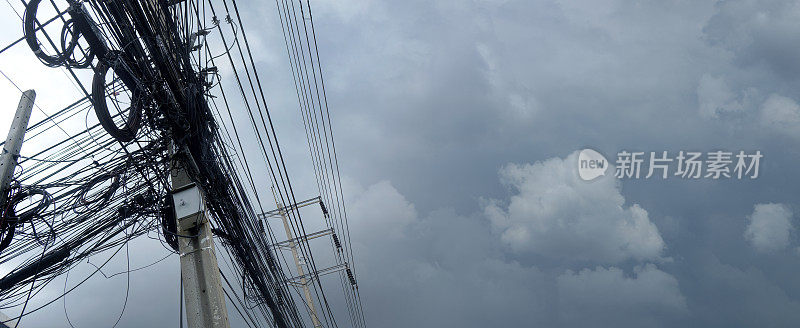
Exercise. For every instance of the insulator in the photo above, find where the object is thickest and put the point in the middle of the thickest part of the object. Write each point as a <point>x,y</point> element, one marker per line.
<point>337,243</point>
<point>324,209</point>
<point>351,277</point>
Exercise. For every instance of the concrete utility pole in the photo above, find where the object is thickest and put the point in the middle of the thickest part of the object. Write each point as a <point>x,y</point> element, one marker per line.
<point>203,293</point>
<point>10,152</point>
<point>300,271</point>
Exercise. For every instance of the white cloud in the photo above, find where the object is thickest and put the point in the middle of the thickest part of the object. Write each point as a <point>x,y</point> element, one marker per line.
<point>449,270</point>
<point>781,114</point>
<point>378,208</point>
<point>607,298</point>
<point>769,227</point>
<point>556,214</point>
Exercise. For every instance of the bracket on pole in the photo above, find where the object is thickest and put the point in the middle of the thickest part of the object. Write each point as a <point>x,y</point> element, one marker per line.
<point>276,213</point>
<point>307,278</point>
<point>287,244</point>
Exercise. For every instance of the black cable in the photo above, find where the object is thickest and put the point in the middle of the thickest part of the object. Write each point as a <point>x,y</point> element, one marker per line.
<point>131,126</point>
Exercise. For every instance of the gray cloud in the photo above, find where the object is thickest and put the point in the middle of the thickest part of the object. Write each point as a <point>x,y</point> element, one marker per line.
<point>715,97</point>
<point>430,100</point>
<point>455,268</point>
<point>440,269</point>
<point>758,33</point>
<point>607,297</point>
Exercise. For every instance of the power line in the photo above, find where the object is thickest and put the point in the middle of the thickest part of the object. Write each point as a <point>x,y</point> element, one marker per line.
<point>150,48</point>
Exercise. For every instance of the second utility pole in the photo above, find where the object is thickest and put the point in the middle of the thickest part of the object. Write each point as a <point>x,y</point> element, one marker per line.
<point>297,262</point>
<point>16,134</point>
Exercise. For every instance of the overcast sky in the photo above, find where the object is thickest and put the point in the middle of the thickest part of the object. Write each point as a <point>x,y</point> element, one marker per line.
<point>457,126</point>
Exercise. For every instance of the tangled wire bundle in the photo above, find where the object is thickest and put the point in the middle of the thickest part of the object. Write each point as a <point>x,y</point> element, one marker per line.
<point>69,41</point>
<point>10,219</point>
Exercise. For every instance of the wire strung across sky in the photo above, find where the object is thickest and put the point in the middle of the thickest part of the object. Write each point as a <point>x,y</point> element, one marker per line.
<point>155,93</point>
<point>304,59</point>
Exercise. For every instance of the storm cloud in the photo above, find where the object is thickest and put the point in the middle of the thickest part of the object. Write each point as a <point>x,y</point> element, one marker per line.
<point>457,125</point>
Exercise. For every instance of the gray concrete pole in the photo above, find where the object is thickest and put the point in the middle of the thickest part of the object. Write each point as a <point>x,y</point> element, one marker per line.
<point>203,293</point>
<point>10,152</point>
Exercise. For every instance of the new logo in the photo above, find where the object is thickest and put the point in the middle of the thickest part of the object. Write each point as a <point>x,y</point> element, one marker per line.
<point>591,164</point>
